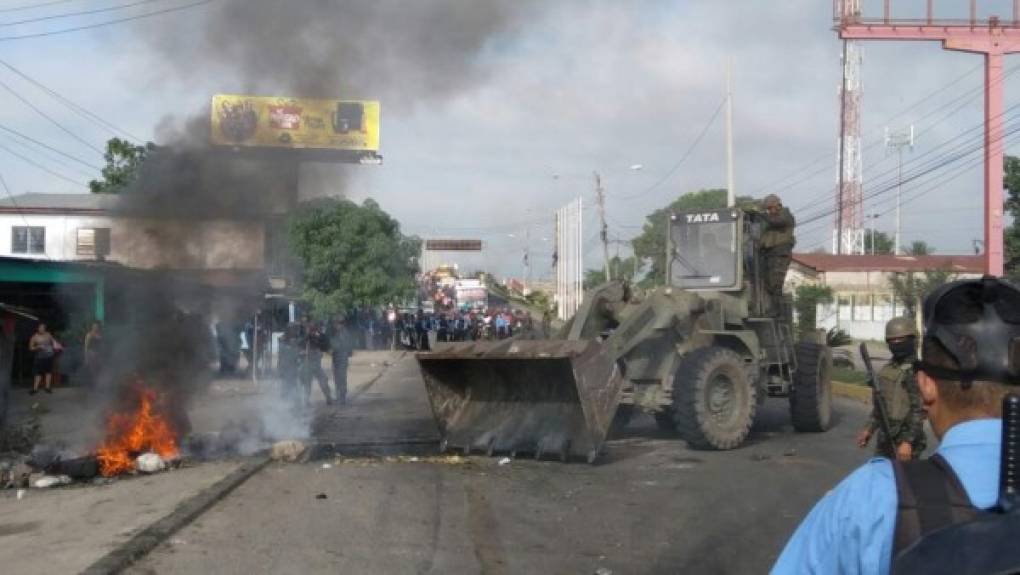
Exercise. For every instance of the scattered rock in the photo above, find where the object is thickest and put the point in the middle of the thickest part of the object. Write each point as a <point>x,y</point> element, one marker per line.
<point>603,571</point>
<point>790,453</point>
<point>289,450</point>
<point>504,461</point>
<point>321,496</point>
<point>760,457</point>
<point>149,463</point>
<point>51,481</point>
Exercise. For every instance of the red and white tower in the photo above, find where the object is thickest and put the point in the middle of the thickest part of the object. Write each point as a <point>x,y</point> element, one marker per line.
<point>993,37</point>
<point>848,229</point>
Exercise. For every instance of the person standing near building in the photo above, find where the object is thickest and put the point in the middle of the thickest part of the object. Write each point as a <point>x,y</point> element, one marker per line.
<point>777,241</point>
<point>44,348</point>
<point>288,362</point>
<point>897,385</point>
<point>341,348</point>
<point>314,343</point>
<point>94,352</point>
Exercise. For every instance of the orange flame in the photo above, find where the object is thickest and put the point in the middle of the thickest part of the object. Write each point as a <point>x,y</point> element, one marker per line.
<point>129,434</point>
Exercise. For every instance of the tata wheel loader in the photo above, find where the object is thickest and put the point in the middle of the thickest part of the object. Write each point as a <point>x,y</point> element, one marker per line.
<point>700,354</point>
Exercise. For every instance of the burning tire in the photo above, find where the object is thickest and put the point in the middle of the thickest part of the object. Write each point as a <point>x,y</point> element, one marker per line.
<point>714,401</point>
<point>811,394</point>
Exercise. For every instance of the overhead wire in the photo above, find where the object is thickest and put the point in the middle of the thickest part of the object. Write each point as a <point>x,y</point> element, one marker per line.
<point>683,158</point>
<point>106,23</point>
<point>49,118</point>
<point>17,208</point>
<point>35,6</point>
<point>74,107</point>
<point>78,13</point>
<point>67,155</point>
<point>42,167</point>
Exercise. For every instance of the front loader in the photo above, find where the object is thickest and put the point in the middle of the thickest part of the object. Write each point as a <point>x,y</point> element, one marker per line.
<point>700,354</point>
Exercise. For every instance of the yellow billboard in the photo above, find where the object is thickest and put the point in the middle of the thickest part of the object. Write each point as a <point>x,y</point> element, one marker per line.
<point>263,121</point>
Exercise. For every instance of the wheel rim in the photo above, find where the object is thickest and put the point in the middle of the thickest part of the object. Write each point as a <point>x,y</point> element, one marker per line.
<point>721,397</point>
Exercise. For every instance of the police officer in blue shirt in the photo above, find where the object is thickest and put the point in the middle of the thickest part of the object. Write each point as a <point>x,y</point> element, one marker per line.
<point>972,328</point>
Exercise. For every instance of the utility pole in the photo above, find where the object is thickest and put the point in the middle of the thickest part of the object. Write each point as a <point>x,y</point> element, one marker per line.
<point>730,192</point>
<point>600,199</point>
<point>897,140</point>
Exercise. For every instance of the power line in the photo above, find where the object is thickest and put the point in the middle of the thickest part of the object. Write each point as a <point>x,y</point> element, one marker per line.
<point>79,13</point>
<point>18,209</point>
<point>42,167</point>
<point>107,23</point>
<point>48,147</point>
<point>35,6</point>
<point>683,158</point>
<point>80,110</point>
<point>775,184</point>
<point>26,102</point>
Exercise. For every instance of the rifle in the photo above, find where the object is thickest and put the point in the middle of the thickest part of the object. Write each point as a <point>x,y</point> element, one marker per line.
<point>879,401</point>
<point>1009,474</point>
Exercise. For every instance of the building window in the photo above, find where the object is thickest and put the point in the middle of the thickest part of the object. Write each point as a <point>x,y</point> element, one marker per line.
<point>93,242</point>
<point>28,240</point>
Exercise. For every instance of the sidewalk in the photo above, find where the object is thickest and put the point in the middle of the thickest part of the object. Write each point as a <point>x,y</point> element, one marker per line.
<point>64,530</point>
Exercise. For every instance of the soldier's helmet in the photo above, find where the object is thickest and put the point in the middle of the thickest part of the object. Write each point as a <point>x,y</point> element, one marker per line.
<point>972,332</point>
<point>900,327</point>
<point>771,200</point>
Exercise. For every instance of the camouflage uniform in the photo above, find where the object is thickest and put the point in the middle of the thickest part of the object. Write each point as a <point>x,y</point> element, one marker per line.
<point>898,385</point>
<point>777,242</point>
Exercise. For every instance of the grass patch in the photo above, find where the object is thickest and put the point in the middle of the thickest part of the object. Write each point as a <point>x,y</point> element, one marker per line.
<point>847,375</point>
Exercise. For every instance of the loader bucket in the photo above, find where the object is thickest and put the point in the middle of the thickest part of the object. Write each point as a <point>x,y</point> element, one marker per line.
<point>540,397</point>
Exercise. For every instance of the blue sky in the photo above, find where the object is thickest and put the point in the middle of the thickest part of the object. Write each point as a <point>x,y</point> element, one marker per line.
<point>580,86</point>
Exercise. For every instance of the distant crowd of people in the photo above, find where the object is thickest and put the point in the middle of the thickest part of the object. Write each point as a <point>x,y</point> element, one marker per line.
<point>416,330</point>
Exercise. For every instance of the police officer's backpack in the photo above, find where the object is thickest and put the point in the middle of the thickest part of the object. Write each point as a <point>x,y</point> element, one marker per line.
<point>939,531</point>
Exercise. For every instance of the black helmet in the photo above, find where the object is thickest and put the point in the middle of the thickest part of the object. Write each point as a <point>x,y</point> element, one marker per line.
<point>972,332</point>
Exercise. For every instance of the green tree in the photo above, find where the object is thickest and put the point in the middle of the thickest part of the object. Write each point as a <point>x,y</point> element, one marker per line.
<point>351,255</point>
<point>909,288</point>
<point>1011,181</point>
<point>805,301</point>
<point>622,269</point>
<point>919,248</point>
<point>123,160</point>
<point>650,246</point>
<point>878,243</point>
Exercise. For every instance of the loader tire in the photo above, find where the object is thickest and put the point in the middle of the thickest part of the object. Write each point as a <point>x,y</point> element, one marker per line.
<point>714,399</point>
<point>811,393</point>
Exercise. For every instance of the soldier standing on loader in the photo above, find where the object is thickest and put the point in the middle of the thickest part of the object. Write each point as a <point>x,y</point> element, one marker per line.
<point>898,386</point>
<point>777,242</point>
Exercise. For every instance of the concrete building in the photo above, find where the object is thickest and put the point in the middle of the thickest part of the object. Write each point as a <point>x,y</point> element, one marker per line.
<point>863,297</point>
<point>77,227</point>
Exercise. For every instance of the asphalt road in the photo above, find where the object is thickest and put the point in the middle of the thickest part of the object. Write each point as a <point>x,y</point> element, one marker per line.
<point>650,505</point>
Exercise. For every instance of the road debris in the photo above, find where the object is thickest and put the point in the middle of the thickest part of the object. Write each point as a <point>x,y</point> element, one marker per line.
<point>321,496</point>
<point>603,571</point>
<point>52,481</point>
<point>149,463</point>
<point>327,466</point>
<point>289,450</point>
<point>504,461</point>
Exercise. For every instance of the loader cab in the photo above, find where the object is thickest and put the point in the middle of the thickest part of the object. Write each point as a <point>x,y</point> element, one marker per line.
<point>704,250</point>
